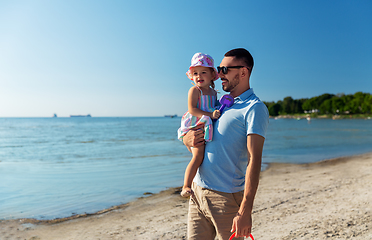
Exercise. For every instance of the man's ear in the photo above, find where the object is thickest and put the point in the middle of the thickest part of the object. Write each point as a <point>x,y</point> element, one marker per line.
<point>245,72</point>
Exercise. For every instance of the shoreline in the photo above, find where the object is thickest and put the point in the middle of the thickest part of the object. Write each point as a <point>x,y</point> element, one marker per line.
<point>168,191</point>
<point>325,199</point>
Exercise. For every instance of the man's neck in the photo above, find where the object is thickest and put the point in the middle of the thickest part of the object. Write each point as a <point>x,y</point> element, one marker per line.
<point>238,93</point>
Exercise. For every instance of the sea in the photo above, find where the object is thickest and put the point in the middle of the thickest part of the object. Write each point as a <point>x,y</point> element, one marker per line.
<point>58,167</point>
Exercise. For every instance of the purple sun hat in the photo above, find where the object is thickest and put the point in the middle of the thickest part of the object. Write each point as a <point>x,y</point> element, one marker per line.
<point>202,60</point>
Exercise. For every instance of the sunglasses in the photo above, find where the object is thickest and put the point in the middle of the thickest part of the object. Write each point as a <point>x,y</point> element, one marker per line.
<point>225,70</point>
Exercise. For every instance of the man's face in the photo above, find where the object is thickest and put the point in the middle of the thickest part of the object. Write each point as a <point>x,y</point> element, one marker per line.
<point>231,79</point>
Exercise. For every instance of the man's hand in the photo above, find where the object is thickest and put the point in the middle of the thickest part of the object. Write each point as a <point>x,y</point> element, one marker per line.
<point>194,137</point>
<point>242,224</point>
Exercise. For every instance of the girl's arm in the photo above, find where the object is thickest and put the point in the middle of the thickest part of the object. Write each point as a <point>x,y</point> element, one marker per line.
<point>194,94</point>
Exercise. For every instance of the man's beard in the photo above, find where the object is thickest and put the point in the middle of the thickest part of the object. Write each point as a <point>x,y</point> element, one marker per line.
<point>231,84</point>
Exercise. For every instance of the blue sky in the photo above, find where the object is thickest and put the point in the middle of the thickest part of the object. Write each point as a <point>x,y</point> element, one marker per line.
<point>129,58</point>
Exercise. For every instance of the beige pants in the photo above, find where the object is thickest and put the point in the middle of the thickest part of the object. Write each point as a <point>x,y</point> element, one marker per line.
<point>211,214</point>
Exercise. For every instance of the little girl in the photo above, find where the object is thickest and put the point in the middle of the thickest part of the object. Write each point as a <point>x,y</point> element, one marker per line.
<point>201,102</point>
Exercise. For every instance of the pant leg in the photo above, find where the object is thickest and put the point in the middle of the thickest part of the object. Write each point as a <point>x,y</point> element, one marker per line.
<point>211,213</point>
<point>222,208</point>
<point>199,227</point>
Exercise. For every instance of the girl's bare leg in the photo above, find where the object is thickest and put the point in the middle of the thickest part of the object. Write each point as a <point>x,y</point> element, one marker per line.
<point>192,167</point>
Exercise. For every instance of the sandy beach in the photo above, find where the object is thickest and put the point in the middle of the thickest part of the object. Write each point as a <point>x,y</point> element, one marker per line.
<point>325,200</point>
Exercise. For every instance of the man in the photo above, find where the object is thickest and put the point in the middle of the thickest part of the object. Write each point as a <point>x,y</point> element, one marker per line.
<point>226,183</point>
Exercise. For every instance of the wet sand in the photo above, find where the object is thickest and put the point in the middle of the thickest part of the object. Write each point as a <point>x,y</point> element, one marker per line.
<point>331,199</point>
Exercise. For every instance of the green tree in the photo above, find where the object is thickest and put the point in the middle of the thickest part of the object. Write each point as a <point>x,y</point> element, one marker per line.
<point>326,107</point>
<point>310,104</point>
<point>356,103</point>
<point>322,98</point>
<point>326,104</point>
<point>337,104</point>
<point>287,106</point>
<point>347,99</point>
<point>298,105</point>
<point>275,109</point>
<point>367,104</point>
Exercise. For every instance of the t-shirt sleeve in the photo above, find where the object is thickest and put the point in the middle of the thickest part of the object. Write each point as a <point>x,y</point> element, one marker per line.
<point>257,120</point>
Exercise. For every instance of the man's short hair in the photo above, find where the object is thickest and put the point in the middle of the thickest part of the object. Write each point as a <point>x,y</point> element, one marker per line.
<point>241,54</point>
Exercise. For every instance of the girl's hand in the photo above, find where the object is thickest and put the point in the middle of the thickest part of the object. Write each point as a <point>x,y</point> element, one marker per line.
<point>216,114</point>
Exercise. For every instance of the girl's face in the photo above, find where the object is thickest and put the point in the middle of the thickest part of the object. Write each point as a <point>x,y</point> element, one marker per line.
<point>202,76</point>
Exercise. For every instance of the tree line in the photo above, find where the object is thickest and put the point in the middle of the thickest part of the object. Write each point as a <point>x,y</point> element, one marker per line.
<point>358,103</point>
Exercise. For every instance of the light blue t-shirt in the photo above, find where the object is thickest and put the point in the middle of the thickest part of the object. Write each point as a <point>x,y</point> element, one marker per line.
<point>226,156</point>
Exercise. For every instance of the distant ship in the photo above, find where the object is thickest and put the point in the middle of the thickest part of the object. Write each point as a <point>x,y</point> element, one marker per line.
<point>80,115</point>
<point>55,115</point>
<point>171,116</point>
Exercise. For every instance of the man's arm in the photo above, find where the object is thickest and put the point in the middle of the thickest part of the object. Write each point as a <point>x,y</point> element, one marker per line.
<point>242,222</point>
<point>194,137</point>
